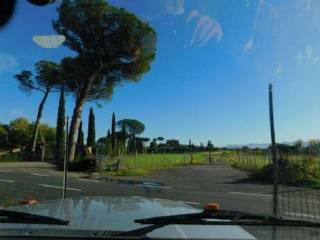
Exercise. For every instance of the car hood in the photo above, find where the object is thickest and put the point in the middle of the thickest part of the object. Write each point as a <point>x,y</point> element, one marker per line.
<point>119,213</point>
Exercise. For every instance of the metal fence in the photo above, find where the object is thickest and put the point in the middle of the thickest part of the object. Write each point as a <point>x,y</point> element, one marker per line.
<point>299,179</point>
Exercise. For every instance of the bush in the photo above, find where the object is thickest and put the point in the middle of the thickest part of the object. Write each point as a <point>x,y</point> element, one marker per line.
<point>81,164</point>
<point>288,173</point>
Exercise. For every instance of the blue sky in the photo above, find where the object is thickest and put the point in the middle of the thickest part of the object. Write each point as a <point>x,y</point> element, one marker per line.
<point>209,80</point>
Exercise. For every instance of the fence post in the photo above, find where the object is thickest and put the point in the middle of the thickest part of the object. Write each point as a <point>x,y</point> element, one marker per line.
<point>118,160</point>
<point>65,163</point>
<point>210,156</point>
<point>274,155</point>
<point>184,157</point>
<point>192,157</point>
<point>136,159</point>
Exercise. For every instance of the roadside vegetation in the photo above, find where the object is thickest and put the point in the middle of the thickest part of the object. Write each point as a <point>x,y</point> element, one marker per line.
<point>298,164</point>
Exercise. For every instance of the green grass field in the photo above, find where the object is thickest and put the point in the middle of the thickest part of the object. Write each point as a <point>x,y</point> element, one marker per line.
<point>143,163</point>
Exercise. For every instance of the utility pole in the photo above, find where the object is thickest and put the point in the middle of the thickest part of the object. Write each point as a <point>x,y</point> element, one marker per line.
<point>65,164</point>
<point>274,156</point>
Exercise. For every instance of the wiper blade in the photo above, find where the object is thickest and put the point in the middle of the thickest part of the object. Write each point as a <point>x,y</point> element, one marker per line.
<point>220,217</point>
<point>216,217</point>
<point>7,216</point>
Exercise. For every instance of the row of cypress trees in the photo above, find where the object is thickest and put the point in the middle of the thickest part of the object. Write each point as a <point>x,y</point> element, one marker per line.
<point>60,132</point>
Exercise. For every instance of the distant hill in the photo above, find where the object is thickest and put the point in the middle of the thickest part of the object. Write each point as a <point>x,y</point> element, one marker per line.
<point>250,145</point>
<point>256,145</point>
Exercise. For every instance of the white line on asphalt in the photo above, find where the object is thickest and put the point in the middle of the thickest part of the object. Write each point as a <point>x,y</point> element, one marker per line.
<point>252,194</point>
<point>40,175</point>
<point>6,171</point>
<point>88,180</point>
<point>151,186</point>
<point>5,180</point>
<point>58,187</point>
<point>192,203</point>
<point>301,215</point>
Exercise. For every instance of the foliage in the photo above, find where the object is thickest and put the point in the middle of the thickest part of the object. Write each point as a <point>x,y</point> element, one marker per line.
<point>19,132</point>
<point>313,146</point>
<point>112,46</point>
<point>160,139</point>
<point>91,140</point>
<point>132,126</point>
<point>46,79</point>
<point>4,136</point>
<point>81,164</point>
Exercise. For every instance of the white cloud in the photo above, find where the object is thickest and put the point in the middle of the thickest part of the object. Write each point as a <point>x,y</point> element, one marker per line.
<point>248,45</point>
<point>49,41</point>
<point>174,7</point>
<point>7,62</point>
<point>192,15</point>
<point>299,56</point>
<point>309,54</point>
<point>279,69</point>
<point>206,29</point>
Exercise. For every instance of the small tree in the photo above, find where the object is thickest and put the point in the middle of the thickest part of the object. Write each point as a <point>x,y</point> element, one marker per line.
<point>133,127</point>
<point>113,132</point>
<point>46,79</point>
<point>91,140</point>
<point>19,132</point>
<point>60,132</point>
<point>112,46</point>
<point>153,145</point>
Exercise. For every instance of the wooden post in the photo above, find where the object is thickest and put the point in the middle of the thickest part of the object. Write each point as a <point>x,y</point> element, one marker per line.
<point>65,163</point>
<point>136,159</point>
<point>274,155</point>
<point>118,160</point>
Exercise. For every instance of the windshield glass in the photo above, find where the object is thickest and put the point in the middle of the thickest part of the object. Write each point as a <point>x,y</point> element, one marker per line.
<point>132,109</point>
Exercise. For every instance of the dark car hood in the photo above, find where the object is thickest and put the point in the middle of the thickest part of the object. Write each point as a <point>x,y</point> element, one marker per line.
<point>119,213</point>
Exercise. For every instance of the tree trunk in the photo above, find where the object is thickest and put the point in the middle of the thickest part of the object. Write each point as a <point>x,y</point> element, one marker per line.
<point>74,128</point>
<point>37,124</point>
<point>76,118</point>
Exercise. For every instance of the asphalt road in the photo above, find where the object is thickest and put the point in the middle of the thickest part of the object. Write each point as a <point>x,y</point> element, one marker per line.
<point>195,185</point>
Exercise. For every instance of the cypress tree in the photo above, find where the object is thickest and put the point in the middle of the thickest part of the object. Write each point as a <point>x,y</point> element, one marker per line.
<point>80,141</point>
<point>91,140</point>
<point>113,132</point>
<point>60,133</point>
<point>108,143</point>
<point>123,136</point>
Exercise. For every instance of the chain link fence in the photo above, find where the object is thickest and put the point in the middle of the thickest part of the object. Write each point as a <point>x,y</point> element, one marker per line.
<point>299,179</point>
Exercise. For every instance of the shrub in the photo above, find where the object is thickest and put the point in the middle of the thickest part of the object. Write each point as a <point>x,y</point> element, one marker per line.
<point>288,173</point>
<point>82,164</point>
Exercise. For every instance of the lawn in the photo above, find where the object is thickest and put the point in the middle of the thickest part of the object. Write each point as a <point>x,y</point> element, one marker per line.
<point>143,163</point>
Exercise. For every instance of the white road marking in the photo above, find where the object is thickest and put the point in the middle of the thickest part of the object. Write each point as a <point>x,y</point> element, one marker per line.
<point>151,186</point>
<point>6,171</point>
<point>192,203</point>
<point>88,180</point>
<point>40,175</point>
<point>300,215</point>
<point>59,187</point>
<point>252,194</point>
<point>8,181</point>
